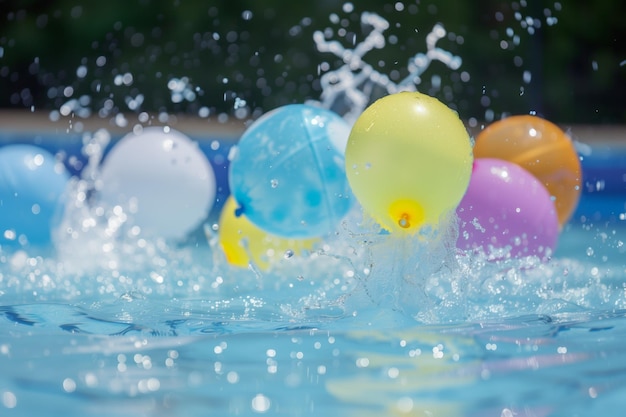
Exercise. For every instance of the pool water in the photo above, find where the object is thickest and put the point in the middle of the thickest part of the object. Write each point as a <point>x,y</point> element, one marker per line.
<point>359,327</point>
<point>551,351</point>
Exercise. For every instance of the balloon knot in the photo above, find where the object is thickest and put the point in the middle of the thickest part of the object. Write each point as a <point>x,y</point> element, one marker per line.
<point>404,222</point>
<point>407,214</point>
<point>239,211</point>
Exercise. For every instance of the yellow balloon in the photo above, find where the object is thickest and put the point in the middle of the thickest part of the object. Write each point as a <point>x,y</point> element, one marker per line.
<point>408,161</point>
<point>243,242</point>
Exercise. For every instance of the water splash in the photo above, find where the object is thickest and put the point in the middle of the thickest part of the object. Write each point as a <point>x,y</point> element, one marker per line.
<point>358,271</point>
<point>350,88</point>
<point>521,23</point>
<point>182,89</point>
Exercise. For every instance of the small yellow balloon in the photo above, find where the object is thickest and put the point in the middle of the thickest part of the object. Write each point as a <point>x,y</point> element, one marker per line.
<point>408,161</point>
<point>243,242</point>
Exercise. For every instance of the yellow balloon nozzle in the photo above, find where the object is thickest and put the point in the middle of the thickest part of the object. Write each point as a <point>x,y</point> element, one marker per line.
<point>407,214</point>
<point>405,221</point>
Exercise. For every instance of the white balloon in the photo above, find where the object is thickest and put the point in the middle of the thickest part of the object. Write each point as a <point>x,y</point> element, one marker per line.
<point>164,176</point>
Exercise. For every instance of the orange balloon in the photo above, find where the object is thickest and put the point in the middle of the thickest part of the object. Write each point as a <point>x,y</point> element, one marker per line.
<point>543,149</point>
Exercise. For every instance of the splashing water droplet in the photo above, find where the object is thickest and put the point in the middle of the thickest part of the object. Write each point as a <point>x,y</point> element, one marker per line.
<point>350,86</point>
<point>260,403</point>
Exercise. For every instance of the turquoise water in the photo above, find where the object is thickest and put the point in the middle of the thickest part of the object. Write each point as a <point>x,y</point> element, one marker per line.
<point>360,327</point>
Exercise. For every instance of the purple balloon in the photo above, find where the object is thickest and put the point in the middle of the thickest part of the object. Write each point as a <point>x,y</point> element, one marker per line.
<point>505,205</point>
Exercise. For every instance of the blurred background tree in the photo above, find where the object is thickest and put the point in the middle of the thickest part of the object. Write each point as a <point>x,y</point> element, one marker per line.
<point>565,61</point>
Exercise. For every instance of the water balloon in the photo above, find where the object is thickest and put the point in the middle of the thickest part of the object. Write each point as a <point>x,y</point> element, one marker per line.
<point>288,174</point>
<point>163,178</point>
<point>541,148</point>
<point>243,242</point>
<point>408,160</point>
<point>32,184</point>
<point>506,206</point>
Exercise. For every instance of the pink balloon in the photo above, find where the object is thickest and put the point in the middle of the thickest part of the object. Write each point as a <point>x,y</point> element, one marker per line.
<point>505,205</point>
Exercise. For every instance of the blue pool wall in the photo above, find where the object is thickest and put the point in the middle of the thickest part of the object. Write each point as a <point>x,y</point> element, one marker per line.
<point>603,197</point>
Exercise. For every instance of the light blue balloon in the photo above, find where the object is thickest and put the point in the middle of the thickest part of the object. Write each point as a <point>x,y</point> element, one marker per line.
<point>32,183</point>
<point>288,174</point>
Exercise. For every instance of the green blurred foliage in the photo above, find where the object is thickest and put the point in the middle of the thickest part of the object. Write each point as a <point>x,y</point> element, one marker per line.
<point>262,52</point>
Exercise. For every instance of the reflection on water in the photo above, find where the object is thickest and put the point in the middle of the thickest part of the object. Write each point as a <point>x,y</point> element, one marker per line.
<point>524,364</point>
